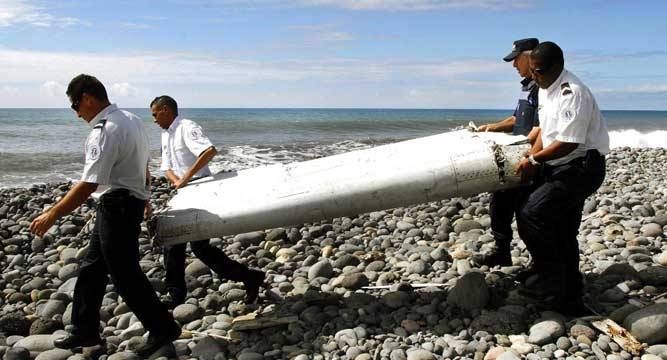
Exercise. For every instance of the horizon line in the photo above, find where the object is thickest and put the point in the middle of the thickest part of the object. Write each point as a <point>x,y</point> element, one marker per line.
<point>314,108</point>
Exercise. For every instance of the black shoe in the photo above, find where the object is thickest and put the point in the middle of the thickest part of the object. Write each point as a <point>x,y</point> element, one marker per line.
<point>72,341</point>
<point>494,258</point>
<point>253,282</point>
<point>525,274</point>
<point>573,308</point>
<point>155,342</point>
<point>176,297</point>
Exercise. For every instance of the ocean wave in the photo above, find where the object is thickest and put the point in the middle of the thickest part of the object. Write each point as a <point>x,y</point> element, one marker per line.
<point>246,156</point>
<point>635,139</point>
<point>24,169</point>
<point>38,162</point>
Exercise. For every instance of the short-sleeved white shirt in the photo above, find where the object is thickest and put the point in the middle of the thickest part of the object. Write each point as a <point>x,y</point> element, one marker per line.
<point>182,143</point>
<point>569,113</point>
<point>117,152</point>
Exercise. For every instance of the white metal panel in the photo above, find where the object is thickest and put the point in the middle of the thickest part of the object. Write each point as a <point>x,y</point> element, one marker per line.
<point>432,168</point>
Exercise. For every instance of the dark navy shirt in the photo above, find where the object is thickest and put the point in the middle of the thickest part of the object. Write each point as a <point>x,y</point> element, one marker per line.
<point>526,109</point>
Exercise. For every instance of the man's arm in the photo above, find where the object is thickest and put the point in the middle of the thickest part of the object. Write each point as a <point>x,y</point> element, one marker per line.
<point>501,126</point>
<point>201,161</point>
<point>148,210</point>
<point>556,150</point>
<point>75,197</point>
<point>535,139</point>
<point>172,177</point>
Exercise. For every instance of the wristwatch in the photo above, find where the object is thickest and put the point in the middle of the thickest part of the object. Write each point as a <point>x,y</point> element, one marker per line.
<point>533,162</point>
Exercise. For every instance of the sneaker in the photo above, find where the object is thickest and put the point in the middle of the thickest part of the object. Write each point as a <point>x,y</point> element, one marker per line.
<point>156,342</point>
<point>496,257</point>
<point>253,282</point>
<point>72,341</point>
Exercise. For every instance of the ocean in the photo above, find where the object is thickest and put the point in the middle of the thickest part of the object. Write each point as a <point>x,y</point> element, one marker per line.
<point>46,145</point>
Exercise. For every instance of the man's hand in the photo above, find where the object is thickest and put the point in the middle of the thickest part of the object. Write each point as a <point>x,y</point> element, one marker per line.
<point>525,169</point>
<point>485,127</point>
<point>42,223</point>
<point>75,197</point>
<point>180,183</point>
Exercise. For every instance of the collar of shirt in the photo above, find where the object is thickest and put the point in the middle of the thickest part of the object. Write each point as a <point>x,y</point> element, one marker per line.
<point>556,84</point>
<point>100,115</point>
<point>527,83</point>
<point>174,124</point>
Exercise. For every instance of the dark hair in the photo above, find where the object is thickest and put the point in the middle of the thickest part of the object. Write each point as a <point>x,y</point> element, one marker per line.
<point>166,100</point>
<point>549,54</point>
<point>86,84</point>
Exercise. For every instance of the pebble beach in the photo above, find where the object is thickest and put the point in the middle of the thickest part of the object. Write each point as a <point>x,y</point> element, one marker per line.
<point>346,284</point>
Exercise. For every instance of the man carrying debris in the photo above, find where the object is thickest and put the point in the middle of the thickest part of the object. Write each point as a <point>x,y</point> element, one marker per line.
<point>503,203</point>
<point>568,168</point>
<point>186,152</point>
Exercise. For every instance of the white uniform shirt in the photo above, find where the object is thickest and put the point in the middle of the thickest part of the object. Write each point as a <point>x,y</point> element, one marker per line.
<point>569,113</point>
<point>182,144</point>
<point>117,152</point>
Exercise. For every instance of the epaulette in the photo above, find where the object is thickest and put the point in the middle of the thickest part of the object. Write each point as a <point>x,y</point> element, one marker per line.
<point>565,88</point>
<point>100,124</point>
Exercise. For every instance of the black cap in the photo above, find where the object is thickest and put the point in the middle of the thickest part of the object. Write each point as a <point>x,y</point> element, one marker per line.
<point>520,46</point>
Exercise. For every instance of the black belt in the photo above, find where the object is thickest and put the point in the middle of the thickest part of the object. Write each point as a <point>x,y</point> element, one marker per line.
<point>592,154</point>
<point>119,194</point>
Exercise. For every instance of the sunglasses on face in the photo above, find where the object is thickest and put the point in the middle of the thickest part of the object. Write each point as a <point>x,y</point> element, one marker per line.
<point>539,70</point>
<point>76,104</point>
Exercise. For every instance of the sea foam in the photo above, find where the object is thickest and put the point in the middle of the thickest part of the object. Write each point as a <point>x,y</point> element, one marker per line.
<point>635,139</point>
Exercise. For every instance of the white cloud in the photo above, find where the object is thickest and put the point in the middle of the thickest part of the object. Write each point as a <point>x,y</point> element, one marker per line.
<point>209,81</point>
<point>595,58</point>
<point>157,68</point>
<point>14,12</point>
<point>332,36</point>
<point>136,26</point>
<point>122,90</point>
<point>420,5</point>
<point>135,78</point>
<point>53,89</point>
<point>381,5</point>
<point>9,90</point>
<point>637,89</point>
<point>319,34</point>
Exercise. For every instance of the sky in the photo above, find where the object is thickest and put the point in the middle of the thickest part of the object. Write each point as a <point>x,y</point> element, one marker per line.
<point>326,53</point>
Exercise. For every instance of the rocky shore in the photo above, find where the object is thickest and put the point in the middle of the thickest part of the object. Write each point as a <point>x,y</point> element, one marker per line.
<point>318,273</point>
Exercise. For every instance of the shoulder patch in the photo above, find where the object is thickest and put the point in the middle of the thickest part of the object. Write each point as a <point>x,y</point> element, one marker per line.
<point>568,114</point>
<point>93,152</point>
<point>195,133</point>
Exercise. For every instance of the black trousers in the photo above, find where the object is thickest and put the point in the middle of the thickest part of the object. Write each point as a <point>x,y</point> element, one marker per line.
<point>548,220</point>
<point>503,205</point>
<point>213,257</point>
<point>114,251</point>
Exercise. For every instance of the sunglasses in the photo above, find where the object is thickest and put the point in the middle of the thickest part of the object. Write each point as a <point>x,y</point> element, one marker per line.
<point>76,104</point>
<point>540,70</point>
